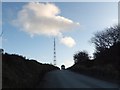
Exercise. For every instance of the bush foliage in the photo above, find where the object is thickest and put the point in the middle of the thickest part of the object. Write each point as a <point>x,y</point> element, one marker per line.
<point>19,72</point>
<point>106,61</point>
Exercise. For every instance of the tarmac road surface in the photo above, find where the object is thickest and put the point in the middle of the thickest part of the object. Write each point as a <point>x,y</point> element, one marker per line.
<point>68,79</point>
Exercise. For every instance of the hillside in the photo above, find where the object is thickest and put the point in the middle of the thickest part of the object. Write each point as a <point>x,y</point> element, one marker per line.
<point>19,72</point>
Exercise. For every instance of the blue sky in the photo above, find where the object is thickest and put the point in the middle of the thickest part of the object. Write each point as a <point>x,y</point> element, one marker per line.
<point>92,17</point>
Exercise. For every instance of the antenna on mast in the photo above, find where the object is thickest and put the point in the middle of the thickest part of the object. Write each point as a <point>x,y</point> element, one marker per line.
<point>54,61</point>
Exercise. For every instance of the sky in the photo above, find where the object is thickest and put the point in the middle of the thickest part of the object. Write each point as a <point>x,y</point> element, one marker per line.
<point>29,28</point>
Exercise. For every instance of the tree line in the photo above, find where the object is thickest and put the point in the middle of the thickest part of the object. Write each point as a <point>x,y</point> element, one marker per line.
<point>106,58</point>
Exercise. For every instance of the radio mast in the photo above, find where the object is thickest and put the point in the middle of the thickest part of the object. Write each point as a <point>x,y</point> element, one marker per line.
<point>54,61</point>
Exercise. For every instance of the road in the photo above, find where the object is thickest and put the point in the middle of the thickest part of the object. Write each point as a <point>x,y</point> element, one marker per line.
<point>68,79</point>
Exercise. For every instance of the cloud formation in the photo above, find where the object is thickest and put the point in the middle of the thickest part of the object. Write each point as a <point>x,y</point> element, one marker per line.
<point>44,19</point>
<point>68,41</point>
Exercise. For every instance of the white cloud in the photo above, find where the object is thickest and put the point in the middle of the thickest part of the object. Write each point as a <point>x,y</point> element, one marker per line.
<point>68,41</point>
<point>43,19</point>
<point>40,18</point>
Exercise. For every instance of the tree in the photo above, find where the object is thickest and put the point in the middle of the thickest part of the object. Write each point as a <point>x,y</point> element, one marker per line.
<point>1,51</point>
<point>107,45</point>
<point>107,38</point>
<point>80,57</point>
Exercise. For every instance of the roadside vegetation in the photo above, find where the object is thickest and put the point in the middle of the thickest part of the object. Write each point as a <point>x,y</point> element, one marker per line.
<point>106,58</point>
<point>19,72</point>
